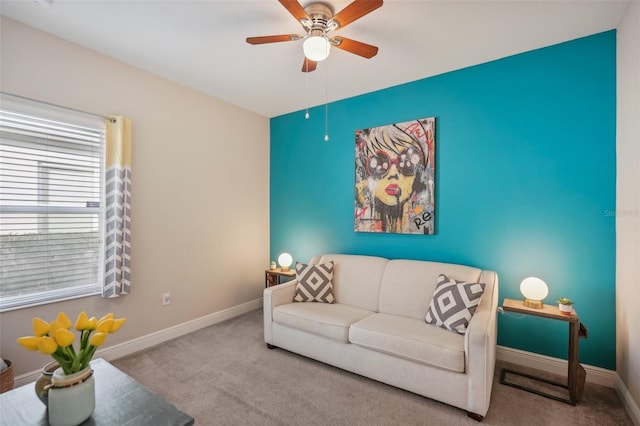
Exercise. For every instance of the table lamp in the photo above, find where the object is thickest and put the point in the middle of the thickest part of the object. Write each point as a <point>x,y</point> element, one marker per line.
<point>534,291</point>
<point>285,260</point>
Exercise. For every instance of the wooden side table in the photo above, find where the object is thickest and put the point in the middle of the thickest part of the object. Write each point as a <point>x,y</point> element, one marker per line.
<point>274,276</point>
<point>575,372</point>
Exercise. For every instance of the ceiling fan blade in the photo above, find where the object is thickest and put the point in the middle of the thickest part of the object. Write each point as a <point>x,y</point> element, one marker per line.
<point>272,39</point>
<point>359,48</point>
<point>295,9</point>
<point>308,65</point>
<point>355,10</point>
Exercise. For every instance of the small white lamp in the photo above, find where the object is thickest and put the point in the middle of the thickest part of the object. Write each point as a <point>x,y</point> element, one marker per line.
<point>285,261</point>
<point>534,291</point>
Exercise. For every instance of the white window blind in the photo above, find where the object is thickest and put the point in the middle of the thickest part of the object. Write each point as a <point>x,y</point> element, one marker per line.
<point>51,203</point>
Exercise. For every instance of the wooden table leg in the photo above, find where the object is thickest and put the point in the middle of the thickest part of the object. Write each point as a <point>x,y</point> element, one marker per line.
<point>576,373</point>
<point>271,280</point>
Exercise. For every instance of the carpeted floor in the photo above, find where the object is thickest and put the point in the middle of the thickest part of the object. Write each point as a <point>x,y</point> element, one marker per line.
<point>225,375</point>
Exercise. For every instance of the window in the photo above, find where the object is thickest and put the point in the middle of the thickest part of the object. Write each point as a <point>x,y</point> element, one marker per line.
<point>51,203</point>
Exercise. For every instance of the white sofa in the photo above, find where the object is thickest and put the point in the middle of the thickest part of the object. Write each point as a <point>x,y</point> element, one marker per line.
<point>377,328</point>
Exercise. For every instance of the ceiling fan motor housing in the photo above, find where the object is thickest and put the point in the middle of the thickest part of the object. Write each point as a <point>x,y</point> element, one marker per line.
<point>320,16</point>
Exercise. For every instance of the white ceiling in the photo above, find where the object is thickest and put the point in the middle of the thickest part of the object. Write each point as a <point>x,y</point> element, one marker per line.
<point>201,44</point>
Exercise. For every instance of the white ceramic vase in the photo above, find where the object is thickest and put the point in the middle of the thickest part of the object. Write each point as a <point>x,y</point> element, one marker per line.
<point>71,398</point>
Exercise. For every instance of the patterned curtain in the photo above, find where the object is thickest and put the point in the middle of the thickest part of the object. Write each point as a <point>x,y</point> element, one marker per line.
<point>117,273</point>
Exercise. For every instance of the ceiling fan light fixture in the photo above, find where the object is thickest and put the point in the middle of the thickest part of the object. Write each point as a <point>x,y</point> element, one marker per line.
<point>316,47</point>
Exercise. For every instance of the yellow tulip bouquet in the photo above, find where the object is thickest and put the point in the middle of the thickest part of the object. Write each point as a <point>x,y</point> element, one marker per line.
<point>56,338</point>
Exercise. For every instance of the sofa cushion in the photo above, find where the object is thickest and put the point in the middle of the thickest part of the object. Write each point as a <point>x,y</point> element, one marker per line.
<point>324,319</point>
<point>454,303</point>
<point>408,285</point>
<point>314,283</point>
<point>410,339</point>
<point>356,279</point>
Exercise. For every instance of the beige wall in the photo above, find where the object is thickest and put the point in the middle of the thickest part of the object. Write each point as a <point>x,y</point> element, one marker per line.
<point>200,211</point>
<point>628,203</point>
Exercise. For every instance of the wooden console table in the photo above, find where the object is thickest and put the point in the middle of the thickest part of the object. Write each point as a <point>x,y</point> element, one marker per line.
<point>575,372</point>
<point>120,400</point>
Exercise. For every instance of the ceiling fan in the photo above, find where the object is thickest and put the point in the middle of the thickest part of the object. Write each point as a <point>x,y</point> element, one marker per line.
<point>318,21</point>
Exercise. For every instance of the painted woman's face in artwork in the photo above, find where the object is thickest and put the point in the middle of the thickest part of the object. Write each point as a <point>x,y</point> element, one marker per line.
<point>392,174</point>
<point>394,178</point>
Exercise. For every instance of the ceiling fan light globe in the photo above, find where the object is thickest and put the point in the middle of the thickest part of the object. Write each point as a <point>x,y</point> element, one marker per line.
<point>316,48</point>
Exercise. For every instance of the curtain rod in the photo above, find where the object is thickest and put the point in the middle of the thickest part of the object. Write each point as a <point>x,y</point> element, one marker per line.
<point>111,119</point>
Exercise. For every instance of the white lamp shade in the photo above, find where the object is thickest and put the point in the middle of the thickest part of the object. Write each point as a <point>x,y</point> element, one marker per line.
<point>285,260</point>
<point>534,288</point>
<point>316,48</point>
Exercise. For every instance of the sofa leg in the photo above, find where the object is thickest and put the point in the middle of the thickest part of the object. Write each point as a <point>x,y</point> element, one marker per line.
<point>474,416</point>
<point>270,346</point>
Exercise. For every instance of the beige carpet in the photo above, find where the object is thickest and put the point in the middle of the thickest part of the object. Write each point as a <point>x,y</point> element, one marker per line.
<point>225,375</point>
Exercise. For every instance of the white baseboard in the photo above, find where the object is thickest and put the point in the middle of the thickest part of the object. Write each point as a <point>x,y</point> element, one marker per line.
<point>140,343</point>
<point>597,375</point>
<point>628,402</point>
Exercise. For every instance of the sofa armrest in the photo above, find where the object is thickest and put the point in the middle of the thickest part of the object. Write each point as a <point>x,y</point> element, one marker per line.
<point>272,297</point>
<point>480,347</point>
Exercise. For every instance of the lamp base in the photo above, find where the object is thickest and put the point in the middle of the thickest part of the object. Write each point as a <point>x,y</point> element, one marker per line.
<point>535,304</point>
<point>285,268</point>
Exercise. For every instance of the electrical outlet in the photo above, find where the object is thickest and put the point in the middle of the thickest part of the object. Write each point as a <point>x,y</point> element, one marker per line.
<point>166,298</point>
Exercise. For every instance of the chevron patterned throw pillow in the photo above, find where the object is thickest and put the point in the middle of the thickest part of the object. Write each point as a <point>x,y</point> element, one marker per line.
<point>454,303</point>
<point>314,283</point>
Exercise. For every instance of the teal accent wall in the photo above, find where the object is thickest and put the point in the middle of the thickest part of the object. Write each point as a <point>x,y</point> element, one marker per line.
<point>525,182</point>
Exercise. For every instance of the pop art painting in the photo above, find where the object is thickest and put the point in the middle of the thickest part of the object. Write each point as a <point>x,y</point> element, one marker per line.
<point>395,178</point>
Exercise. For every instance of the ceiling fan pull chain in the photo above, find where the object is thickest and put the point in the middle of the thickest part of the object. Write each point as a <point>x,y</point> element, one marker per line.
<point>306,63</point>
<point>326,102</point>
